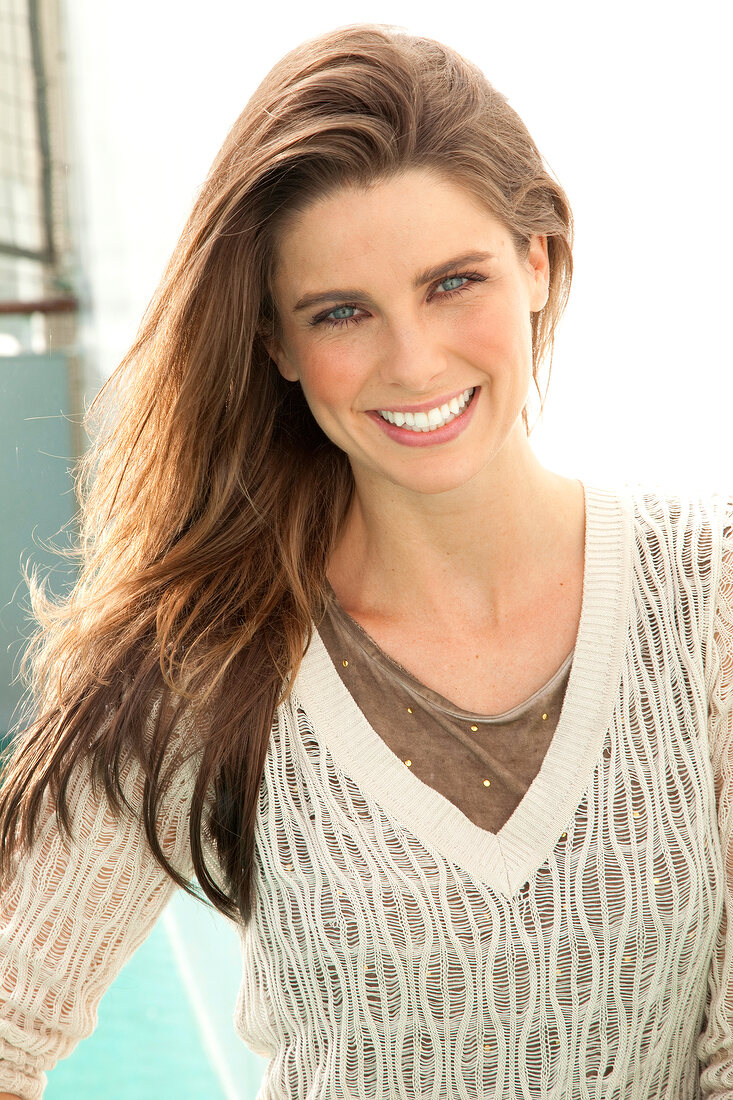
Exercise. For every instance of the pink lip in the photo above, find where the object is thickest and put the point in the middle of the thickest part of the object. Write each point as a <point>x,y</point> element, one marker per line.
<point>429,439</point>
<point>434,404</point>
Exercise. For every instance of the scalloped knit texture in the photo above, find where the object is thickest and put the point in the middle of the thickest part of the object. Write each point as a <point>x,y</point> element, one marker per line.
<point>397,949</point>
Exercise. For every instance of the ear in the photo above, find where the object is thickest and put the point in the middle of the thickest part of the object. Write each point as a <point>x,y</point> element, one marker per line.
<point>538,266</point>
<point>280,358</point>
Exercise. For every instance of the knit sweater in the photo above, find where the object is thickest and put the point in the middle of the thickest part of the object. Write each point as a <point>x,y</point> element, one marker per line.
<point>399,950</point>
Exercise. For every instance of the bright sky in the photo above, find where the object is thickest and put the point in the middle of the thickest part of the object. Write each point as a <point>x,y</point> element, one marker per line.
<point>630,103</point>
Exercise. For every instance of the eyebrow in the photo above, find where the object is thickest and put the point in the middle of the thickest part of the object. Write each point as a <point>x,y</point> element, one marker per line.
<point>427,276</point>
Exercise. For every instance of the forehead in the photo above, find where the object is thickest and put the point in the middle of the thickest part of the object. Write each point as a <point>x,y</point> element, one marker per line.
<point>404,224</point>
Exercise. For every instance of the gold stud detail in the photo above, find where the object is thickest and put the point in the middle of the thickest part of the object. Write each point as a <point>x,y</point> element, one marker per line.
<point>563,836</point>
<point>656,882</point>
<point>627,958</point>
<point>409,710</point>
<point>288,866</point>
<point>487,782</point>
<point>487,1046</point>
<point>409,763</point>
<point>544,717</point>
<point>474,728</point>
<point>558,971</point>
<point>345,664</point>
<point>636,813</point>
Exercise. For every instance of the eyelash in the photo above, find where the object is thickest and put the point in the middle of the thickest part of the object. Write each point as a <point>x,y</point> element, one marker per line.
<point>323,318</point>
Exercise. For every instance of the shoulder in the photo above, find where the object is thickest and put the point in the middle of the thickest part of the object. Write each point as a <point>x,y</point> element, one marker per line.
<point>685,528</point>
<point>682,553</point>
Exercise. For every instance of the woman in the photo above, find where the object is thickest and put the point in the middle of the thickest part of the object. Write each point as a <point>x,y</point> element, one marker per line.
<point>440,729</point>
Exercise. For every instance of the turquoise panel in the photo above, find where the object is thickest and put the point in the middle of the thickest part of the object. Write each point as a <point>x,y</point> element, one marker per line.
<point>36,493</point>
<point>209,951</point>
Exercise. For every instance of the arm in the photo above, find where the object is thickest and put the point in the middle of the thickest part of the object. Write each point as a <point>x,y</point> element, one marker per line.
<point>715,1046</point>
<point>74,913</point>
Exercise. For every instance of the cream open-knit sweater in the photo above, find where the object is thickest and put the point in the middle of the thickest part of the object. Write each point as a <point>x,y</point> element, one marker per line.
<point>398,950</point>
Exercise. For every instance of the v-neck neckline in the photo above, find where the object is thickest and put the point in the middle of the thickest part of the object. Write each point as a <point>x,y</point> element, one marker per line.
<point>504,861</point>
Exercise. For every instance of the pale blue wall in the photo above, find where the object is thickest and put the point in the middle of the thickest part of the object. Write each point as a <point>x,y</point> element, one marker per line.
<point>37,444</point>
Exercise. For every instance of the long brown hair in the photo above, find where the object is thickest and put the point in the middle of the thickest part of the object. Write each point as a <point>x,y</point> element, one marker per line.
<point>211,500</point>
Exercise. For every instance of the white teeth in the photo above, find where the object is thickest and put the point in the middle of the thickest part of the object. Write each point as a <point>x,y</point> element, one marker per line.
<point>433,418</point>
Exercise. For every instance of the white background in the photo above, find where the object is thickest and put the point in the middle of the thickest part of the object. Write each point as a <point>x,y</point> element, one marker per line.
<point>629,103</point>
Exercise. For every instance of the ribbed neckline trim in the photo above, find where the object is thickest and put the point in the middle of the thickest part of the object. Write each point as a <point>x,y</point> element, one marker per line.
<point>506,860</point>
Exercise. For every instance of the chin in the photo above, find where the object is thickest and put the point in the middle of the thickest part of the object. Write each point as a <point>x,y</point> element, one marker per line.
<point>443,481</point>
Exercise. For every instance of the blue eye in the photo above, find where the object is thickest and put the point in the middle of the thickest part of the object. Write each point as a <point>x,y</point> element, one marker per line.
<point>341,315</point>
<point>455,279</point>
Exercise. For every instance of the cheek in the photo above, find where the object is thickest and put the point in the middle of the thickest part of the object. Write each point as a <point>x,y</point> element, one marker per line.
<point>330,377</point>
<point>499,336</point>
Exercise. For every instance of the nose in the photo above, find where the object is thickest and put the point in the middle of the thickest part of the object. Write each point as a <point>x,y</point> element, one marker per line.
<point>412,357</point>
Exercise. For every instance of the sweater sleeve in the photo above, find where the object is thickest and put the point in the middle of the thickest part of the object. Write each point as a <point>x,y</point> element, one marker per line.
<point>75,912</point>
<point>715,1047</point>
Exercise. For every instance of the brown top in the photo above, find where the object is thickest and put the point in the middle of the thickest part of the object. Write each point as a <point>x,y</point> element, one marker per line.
<point>483,764</point>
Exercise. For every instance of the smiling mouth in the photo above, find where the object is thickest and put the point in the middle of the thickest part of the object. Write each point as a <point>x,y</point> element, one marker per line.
<point>431,419</point>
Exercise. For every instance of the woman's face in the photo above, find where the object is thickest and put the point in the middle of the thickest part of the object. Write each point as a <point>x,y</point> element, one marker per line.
<point>407,298</point>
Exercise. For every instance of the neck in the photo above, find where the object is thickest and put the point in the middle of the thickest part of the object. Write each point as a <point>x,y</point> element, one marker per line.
<point>471,550</point>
